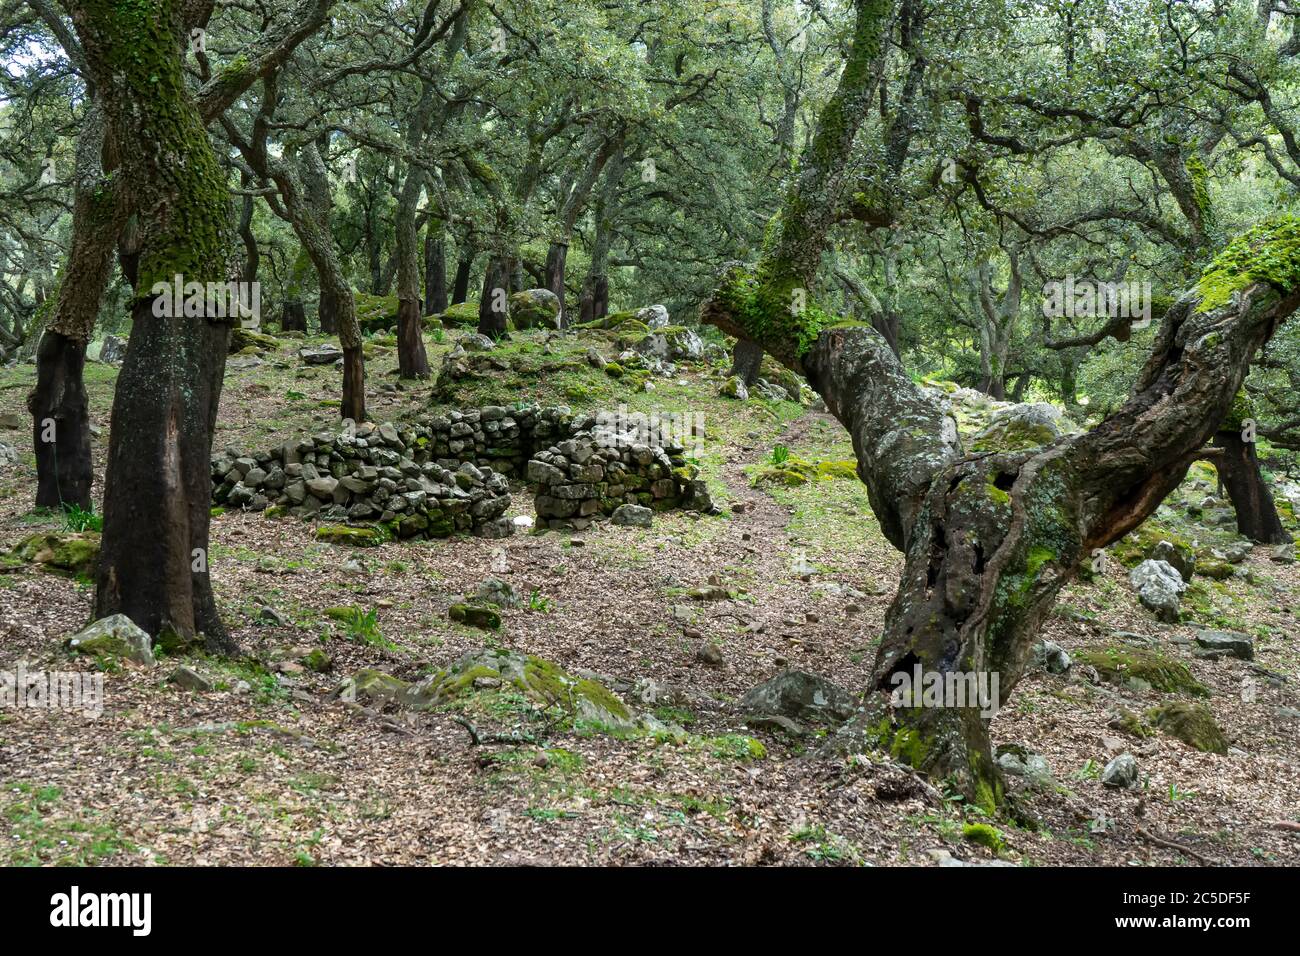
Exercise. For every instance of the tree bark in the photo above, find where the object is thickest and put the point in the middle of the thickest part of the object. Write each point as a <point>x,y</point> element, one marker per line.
<point>460,285</point>
<point>412,360</point>
<point>61,423</point>
<point>1238,467</point>
<point>294,316</point>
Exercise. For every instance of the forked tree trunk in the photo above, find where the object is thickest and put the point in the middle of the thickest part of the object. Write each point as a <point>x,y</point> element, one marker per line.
<point>1238,467</point>
<point>989,538</point>
<point>157,497</point>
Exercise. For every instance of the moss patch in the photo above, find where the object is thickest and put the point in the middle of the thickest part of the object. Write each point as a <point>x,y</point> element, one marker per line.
<point>1119,664</point>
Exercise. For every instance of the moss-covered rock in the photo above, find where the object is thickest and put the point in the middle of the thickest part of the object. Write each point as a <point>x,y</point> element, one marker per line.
<point>484,616</point>
<point>985,835</point>
<point>115,636</point>
<point>1193,724</point>
<point>1121,665</point>
<point>375,313</point>
<point>364,537</point>
<point>250,341</point>
<point>463,314</point>
<point>535,309</point>
<point>72,553</point>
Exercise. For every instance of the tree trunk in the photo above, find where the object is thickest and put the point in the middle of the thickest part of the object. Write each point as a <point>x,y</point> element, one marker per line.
<point>460,285</point>
<point>58,403</point>
<point>154,555</point>
<point>1238,468</point>
<point>493,308</point>
<point>435,271</point>
<point>61,424</point>
<point>294,317</point>
<point>747,361</point>
<point>327,311</point>
<point>557,255</point>
<point>412,361</point>
<point>989,538</point>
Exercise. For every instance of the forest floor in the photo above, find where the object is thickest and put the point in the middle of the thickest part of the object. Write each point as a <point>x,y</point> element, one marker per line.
<point>271,767</point>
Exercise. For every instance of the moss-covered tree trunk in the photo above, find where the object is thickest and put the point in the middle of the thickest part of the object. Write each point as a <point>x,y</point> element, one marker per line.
<point>990,535</point>
<point>154,558</point>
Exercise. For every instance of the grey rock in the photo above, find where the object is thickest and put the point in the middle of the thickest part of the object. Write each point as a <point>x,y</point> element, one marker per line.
<point>1159,588</point>
<point>1052,656</point>
<point>634,516</point>
<point>1229,643</point>
<point>1121,772</point>
<point>115,635</point>
<point>187,678</point>
<point>800,696</point>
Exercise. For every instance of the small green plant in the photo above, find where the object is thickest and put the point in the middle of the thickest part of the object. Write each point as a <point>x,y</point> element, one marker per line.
<point>76,518</point>
<point>1176,795</point>
<point>540,604</point>
<point>359,625</point>
<point>780,454</point>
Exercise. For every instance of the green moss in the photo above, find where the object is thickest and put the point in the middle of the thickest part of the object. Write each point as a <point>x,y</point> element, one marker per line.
<point>1013,434</point>
<point>1163,674</point>
<point>483,616</point>
<point>366,537</point>
<point>1193,724</point>
<point>984,835</point>
<point>76,554</point>
<point>462,314</point>
<point>1270,252</point>
<point>1132,724</point>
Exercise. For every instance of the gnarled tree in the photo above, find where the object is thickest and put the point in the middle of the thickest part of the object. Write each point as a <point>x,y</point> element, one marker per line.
<point>990,536</point>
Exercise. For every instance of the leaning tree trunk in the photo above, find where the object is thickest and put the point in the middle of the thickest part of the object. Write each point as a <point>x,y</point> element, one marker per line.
<point>59,404</point>
<point>1238,467</point>
<point>157,497</point>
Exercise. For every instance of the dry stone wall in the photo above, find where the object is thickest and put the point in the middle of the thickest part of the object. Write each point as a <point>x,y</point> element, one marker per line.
<point>448,474</point>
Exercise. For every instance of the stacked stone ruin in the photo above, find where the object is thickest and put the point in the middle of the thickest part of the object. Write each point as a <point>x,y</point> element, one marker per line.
<point>448,474</point>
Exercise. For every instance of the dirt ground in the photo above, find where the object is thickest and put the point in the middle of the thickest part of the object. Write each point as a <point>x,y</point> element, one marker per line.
<point>273,768</point>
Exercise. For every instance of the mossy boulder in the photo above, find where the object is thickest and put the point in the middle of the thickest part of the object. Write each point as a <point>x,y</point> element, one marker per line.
<point>115,636</point>
<point>1215,569</point>
<point>734,387</point>
<point>364,537</point>
<point>375,313</point>
<point>1129,665</point>
<point>535,309</point>
<point>485,616</point>
<point>1156,540</point>
<point>798,471</point>
<point>71,553</point>
<point>544,683</point>
<point>1019,427</point>
<point>1192,723</point>
<point>463,315</point>
<point>250,341</point>
<point>985,835</point>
